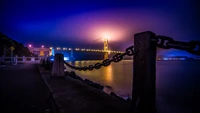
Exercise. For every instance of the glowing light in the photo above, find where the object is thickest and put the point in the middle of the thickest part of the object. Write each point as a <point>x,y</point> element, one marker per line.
<point>58,48</point>
<point>42,46</point>
<point>108,51</point>
<point>30,45</point>
<point>108,73</point>
<point>106,36</point>
<point>66,58</point>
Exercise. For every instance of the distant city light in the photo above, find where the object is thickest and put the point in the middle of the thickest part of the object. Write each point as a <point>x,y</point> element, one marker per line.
<point>64,48</point>
<point>29,45</point>
<point>42,46</point>
<point>66,58</point>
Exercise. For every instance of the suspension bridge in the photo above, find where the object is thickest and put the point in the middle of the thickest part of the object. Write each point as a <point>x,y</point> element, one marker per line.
<point>52,50</point>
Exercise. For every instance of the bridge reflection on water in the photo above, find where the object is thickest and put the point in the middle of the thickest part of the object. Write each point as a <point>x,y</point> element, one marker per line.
<point>176,84</point>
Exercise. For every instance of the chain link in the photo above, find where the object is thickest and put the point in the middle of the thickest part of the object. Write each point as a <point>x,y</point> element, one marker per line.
<point>196,49</point>
<point>168,43</point>
<point>116,58</point>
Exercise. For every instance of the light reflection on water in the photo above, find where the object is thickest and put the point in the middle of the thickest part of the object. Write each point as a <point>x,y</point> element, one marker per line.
<point>177,82</point>
<point>117,75</point>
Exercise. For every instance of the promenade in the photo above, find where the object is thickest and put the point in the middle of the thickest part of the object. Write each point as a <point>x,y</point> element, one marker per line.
<point>22,89</point>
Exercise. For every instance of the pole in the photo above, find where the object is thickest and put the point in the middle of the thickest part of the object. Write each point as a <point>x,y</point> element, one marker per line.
<point>144,78</point>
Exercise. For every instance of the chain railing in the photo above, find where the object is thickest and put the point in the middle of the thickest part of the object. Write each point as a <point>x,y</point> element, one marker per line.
<point>164,42</point>
<point>144,74</point>
<point>116,58</point>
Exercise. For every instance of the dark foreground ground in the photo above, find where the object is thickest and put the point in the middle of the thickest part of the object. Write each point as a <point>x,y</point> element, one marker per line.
<point>25,89</point>
<point>22,90</point>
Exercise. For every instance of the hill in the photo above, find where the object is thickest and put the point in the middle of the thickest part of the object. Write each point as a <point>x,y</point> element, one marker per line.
<point>6,43</point>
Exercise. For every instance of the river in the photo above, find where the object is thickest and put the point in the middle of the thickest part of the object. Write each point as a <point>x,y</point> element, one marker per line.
<point>177,82</point>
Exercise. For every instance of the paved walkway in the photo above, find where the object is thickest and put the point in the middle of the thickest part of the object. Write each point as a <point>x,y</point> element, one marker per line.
<point>22,89</point>
<point>74,96</point>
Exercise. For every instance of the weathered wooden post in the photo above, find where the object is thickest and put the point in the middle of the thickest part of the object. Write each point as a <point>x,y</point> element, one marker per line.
<point>144,78</point>
<point>58,66</point>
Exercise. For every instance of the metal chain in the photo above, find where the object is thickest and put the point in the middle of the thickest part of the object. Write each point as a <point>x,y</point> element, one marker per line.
<point>168,43</point>
<point>116,58</point>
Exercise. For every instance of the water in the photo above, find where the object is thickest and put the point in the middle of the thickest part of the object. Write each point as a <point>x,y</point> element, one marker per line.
<point>177,82</point>
<point>118,76</point>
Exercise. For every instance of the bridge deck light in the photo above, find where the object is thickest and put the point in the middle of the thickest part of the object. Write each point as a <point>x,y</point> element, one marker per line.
<point>58,48</point>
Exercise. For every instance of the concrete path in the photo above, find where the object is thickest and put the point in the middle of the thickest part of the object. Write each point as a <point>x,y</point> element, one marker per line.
<point>74,96</point>
<point>22,89</point>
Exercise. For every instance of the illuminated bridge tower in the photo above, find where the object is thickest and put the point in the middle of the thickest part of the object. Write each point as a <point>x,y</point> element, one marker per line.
<point>106,48</point>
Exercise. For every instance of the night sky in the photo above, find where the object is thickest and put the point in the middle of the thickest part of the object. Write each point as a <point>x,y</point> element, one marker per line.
<point>72,23</point>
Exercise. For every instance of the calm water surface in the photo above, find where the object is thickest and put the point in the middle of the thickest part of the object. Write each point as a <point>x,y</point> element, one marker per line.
<point>177,82</point>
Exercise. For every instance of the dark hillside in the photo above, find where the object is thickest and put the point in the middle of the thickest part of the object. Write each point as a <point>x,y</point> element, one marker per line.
<point>6,43</point>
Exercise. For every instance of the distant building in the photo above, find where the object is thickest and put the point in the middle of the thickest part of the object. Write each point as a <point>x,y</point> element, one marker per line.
<point>40,51</point>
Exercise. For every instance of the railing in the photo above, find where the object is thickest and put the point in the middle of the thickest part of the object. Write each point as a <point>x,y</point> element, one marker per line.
<point>16,60</point>
<point>144,52</point>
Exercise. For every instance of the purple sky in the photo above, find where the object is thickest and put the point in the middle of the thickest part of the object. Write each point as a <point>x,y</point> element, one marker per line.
<point>77,24</point>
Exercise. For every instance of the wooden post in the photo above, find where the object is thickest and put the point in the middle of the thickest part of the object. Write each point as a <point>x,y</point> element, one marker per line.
<point>144,78</point>
<point>58,66</point>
